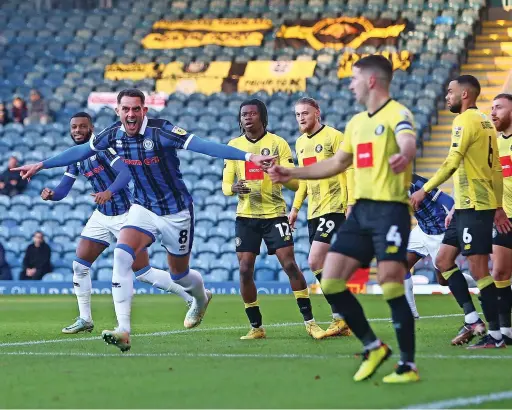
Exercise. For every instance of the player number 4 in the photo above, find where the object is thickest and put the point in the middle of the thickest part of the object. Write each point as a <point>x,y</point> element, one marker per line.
<point>285,231</point>
<point>329,225</point>
<point>394,236</point>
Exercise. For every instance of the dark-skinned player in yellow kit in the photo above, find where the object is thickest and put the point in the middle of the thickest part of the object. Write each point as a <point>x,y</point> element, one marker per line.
<point>381,144</point>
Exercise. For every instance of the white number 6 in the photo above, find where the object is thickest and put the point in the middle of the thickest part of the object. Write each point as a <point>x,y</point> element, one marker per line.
<point>466,236</point>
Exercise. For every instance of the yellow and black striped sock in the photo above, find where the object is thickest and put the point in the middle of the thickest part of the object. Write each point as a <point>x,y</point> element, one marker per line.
<point>252,310</point>
<point>304,304</point>
<point>489,298</point>
<point>318,274</point>
<point>504,302</point>
<point>346,304</point>
<point>403,320</point>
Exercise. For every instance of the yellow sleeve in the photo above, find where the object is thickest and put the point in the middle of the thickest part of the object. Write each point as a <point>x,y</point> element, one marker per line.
<point>286,160</point>
<point>497,174</point>
<point>346,145</point>
<point>228,177</point>
<point>349,175</point>
<point>461,140</point>
<point>300,195</point>
<point>402,122</point>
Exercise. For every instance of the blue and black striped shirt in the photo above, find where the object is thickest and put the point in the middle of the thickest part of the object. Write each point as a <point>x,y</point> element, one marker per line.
<point>434,208</point>
<point>153,162</point>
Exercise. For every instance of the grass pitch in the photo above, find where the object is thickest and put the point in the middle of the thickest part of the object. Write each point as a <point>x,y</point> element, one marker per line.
<point>209,367</point>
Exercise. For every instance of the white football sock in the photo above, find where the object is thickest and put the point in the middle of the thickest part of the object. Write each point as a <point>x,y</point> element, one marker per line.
<point>409,295</point>
<point>192,282</point>
<point>506,331</point>
<point>471,318</point>
<point>122,287</point>
<point>496,334</point>
<point>82,285</point>
<point>162,280</point>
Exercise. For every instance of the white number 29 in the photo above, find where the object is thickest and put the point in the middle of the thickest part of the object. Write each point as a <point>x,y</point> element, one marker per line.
<point>394,236</point>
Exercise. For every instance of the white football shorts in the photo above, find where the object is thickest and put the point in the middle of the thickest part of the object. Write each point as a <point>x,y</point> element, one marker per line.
<point>176,230</point>
<point>102,228</point>
<point>423,245</point>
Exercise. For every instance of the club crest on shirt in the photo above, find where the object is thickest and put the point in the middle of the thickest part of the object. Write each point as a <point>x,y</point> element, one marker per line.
<point>319,148</point>
<point>119,144</point>
<point>93,158</point>
<point>265,151</point>
<point>178,130</point>
<point>379,130</point>
<point>457,132</point>
<point>148,145</point>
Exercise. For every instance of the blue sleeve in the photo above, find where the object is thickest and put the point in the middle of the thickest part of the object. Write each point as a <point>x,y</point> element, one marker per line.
<point>62,190</point>
<point>123,178</point>
<point>173,137</point>
<point>445,200</point>
<point>67,157</point>
<point>214,149</point>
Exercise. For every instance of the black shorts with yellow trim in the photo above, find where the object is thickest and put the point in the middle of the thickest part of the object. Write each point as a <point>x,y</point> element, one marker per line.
<point>323,228</point>
<point>450,236</point>
<point>375,229</point>
<point>276,232</point>
<point>474,231</point>
<point>502,239</point>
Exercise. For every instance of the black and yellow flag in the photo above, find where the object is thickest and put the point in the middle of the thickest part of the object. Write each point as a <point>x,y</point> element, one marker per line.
<point>338,33</point>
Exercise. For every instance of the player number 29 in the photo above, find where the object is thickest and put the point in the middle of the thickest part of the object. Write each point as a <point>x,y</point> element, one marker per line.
<point>394,236</point>
<point>285,231</point>
<point>328,224</point>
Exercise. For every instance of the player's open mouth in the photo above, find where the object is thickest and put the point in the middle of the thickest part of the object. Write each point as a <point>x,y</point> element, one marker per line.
<point>131,124</point>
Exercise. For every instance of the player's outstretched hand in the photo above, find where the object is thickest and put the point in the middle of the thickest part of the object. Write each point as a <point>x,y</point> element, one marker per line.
<point>279,174</point>
<point>417,198</point>
<point>263,161</point>
<point>29,170</point>
<point>47,194</point>
<point>292,218</point>
<point>398,163</point>
<point>240,188</point>
<point>501,221</point>
<point>102,197</point>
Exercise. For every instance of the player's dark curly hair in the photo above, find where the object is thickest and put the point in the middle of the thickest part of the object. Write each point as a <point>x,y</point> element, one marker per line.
<point>82,114</point>
<point>262,109</point>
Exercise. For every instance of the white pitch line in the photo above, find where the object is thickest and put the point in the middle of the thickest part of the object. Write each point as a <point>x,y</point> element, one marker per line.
<point>239,355</point>
<point>464,401</point>
<point>202,329</point>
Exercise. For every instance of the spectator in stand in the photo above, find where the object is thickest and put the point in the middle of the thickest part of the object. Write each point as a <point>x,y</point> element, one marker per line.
<point>11,183</point>
<point>4,117</point>
<point>106,4</point>
<point>37,109</point>
<point>36,262</point>
<point>5,269</point>
<point>19,110</point>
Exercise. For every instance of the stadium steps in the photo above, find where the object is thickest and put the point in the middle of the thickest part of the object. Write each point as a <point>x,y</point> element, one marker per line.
<point>490,62</point>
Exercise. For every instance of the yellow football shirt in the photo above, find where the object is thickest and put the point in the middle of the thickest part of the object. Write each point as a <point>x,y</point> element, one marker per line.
<point>265,199</point>
<point>329,195</point>
<point>371,139</point>
<point>505,149</point>
<point>473,160</point>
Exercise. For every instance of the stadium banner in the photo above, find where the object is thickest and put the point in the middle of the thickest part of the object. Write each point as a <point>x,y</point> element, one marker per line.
<point>271,85</point>
<point>10,287</point>
<point>280,69</point>
<point>339,33</point>
<point>97,100</point>
<point>238,32</point>
<point>132,71</point>
<point>400,60</point>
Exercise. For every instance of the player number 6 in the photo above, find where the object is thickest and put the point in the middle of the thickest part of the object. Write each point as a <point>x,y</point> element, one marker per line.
<point>466,236</point>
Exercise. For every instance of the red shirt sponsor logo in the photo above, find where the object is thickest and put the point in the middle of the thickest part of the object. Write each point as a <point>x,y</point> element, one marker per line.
<point>309,161</point>
<point>506,165</point>
<point>364,155</point>
<point>96,170</point>
<point>253,172</point>
<point>138,162</point>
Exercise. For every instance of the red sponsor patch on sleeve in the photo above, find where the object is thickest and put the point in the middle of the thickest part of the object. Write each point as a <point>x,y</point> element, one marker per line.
<point>309,161</point>
<point>253,172</point>
<point>364,155</point>
<point>506,165</point>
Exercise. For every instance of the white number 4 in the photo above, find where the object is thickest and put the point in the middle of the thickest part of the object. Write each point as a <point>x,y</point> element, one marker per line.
<point>394,236</point>
<point>466,236</point>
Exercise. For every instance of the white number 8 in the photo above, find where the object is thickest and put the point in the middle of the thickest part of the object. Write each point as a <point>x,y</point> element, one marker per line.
<point>394,236</point>
<point>466,236</point>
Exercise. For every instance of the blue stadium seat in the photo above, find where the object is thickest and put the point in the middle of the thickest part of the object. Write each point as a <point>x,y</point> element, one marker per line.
<point>53,277</point>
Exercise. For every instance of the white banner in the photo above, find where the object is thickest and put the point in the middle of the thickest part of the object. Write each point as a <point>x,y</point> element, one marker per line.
<point>97,100</point>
